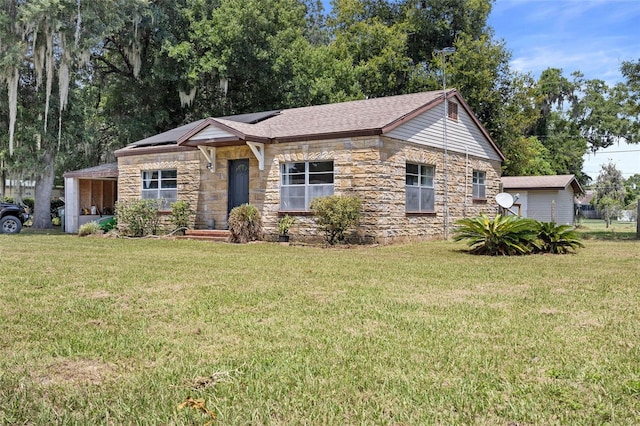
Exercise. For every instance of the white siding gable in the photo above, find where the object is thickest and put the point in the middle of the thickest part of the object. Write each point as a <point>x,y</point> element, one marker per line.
<point>211,132</point>
<point>462,134</point>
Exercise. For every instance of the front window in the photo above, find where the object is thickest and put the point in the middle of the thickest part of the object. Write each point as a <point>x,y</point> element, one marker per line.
<point>479,184</point>
<point>419,188</point>
<point>302,182</point>
<point>161,185</point>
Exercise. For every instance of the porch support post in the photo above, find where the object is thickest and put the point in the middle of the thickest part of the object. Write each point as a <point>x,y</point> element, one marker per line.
<point>258,150</point>
<point>209,153</point>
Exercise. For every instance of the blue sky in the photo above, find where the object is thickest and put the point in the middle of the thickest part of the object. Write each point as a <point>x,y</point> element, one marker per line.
<point>590,36</point>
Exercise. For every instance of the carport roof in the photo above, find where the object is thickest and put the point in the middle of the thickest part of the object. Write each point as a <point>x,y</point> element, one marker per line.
<point>103,171</point>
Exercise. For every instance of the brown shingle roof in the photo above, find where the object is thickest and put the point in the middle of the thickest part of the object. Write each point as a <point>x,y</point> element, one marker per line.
<point>541,182</point>
<point>109,170</point>
<point>368,116</point>
<point>346,119</point>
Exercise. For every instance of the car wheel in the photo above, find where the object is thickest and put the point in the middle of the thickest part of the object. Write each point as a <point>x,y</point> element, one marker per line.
<point>10,225</point>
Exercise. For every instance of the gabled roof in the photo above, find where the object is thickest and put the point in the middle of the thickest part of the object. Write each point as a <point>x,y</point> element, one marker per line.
<point>553,182</point>
<point>109,170</point>
<point>330,121</point>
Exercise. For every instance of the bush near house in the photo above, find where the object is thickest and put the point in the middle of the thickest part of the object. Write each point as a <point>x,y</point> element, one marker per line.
<point>245,224</point>
<point>335,215</point>
<point>180,212</point>
<point>137,218</point>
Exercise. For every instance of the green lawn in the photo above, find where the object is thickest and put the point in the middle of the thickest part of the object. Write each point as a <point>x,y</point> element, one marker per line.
<point>121,331</point>
<point>592,228</point>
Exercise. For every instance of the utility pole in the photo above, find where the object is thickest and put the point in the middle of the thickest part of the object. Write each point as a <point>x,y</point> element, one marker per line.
<point>444,52</point>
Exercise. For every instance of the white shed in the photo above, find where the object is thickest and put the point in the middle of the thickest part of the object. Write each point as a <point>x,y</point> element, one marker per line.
<point>544,198</point>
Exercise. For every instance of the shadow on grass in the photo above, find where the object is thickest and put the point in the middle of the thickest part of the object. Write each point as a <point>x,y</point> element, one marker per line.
<point>607,235</point>
<point>56,230</point>
<point>595,229</point>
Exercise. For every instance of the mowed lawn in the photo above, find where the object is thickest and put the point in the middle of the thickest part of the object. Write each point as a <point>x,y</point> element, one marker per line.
<point>122,331</point>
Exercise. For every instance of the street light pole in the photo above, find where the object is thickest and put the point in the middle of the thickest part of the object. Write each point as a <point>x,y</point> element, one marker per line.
<point>444,52</point>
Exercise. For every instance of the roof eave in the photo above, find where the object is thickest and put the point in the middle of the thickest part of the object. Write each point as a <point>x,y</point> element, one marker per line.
<point>159,149</point>
<point>327,135</point>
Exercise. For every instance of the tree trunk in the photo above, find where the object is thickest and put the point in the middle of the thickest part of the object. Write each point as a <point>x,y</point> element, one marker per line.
<point>44,187</point>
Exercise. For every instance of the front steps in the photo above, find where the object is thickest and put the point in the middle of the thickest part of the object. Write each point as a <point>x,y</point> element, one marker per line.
<point>206,235</point>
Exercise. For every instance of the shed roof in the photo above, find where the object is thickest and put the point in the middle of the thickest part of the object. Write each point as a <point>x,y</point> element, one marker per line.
<point>553,182</point>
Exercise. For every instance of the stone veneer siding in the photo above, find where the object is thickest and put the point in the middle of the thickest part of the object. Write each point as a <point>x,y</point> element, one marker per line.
<point>187,163</point>
<point>372,168</point>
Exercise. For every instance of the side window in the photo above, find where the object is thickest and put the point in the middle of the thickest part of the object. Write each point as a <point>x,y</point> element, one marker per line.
<point>160,185</point>
<point>479,184</point>
<point>420,194</point>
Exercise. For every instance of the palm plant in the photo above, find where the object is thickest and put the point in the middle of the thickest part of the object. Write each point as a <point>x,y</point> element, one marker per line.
<point>502,235</point>
<point>557,239</point>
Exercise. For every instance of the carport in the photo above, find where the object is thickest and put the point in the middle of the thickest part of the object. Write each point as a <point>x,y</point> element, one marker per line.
<point>90,194</point>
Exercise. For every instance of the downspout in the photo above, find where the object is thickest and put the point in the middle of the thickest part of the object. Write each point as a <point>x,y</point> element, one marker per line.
<point>466,180</point>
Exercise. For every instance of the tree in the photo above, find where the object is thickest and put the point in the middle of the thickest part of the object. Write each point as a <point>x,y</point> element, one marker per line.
<point>609,192</point>
<point>632,187</point>
<point>46,44</point>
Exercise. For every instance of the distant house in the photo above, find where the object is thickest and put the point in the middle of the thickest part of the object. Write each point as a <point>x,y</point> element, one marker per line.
<point>585,208</point>
<point>544,198</point>
<point>389,151</point>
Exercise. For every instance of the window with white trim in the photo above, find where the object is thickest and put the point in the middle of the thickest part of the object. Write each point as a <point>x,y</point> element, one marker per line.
<point>420,194</point>
<point>479,184</point>
<point>160,185</point>
<point>302,182</point>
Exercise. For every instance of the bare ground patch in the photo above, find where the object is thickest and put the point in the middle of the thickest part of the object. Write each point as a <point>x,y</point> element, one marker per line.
<point>75,372</point>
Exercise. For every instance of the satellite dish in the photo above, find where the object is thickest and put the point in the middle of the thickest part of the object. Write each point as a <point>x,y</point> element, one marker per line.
<point>504,200</point>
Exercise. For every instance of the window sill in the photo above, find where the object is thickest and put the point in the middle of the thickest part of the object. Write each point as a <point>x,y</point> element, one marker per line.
<point>433,214</point>
<point>480,201</point>
<point>282,213</point>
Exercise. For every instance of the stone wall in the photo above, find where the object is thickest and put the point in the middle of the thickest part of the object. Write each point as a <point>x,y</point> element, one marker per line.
<point>187,163</point>
<point>372,168</point>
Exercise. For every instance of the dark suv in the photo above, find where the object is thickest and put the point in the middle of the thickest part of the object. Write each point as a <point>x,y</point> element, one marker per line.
<point>12,217</point>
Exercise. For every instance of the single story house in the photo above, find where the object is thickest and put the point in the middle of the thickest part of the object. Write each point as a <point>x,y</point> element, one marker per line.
<point>544,198</point>
<point>417,162</point>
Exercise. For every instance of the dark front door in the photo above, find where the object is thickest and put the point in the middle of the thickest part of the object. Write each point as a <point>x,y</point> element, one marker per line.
<point>238,183</point>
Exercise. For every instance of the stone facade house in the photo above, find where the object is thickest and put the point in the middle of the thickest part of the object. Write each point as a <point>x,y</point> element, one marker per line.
<point>409,159</point>
<point>544,198</point>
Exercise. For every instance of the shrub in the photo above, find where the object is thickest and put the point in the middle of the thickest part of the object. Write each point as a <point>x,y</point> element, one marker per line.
<point>89,228</point>
<point>137,218</point>
<point>502,235</point>
<point>245,224</point>
<point>180,212</point>
<point>108,224</point>
<point>557,239</point>
<point>285,223</point>
<point>335,215</point>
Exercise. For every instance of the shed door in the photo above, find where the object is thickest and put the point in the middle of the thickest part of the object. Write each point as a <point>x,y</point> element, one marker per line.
<point>238,183</point>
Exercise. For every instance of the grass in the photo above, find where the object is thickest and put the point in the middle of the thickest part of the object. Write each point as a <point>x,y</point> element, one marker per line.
<point>120,331</point>
<point>596,229</point>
